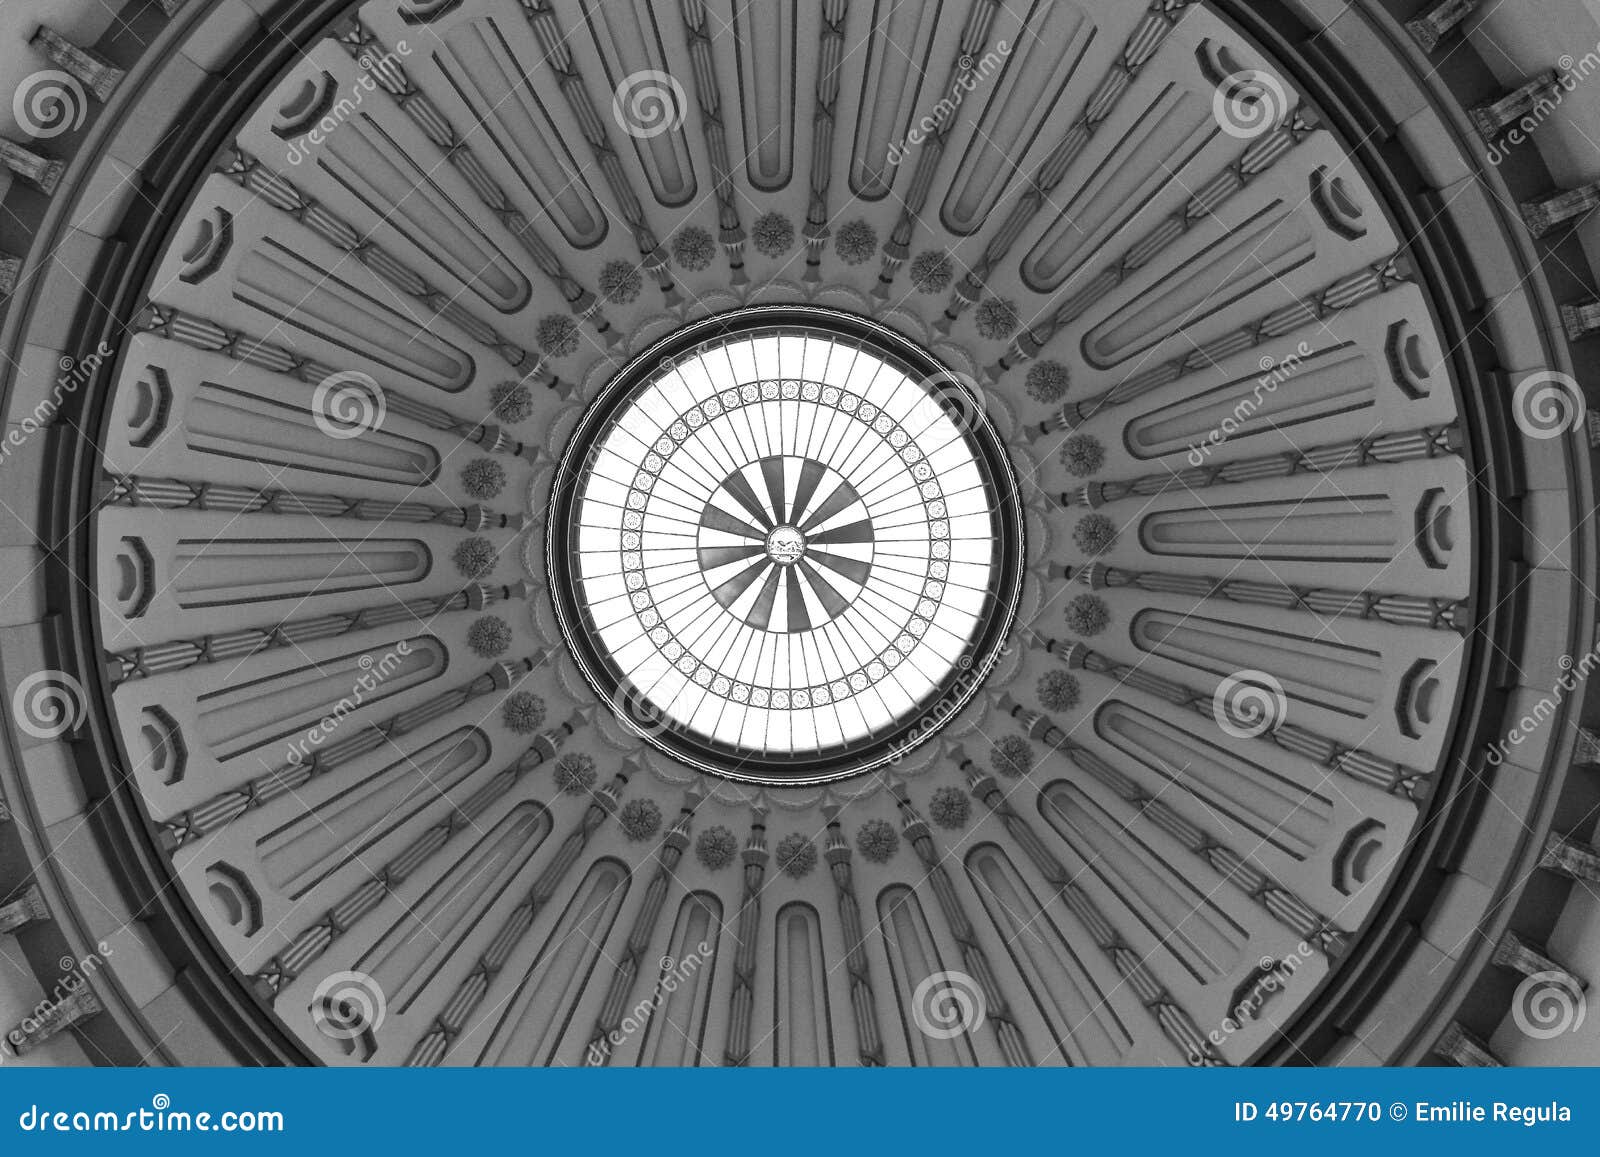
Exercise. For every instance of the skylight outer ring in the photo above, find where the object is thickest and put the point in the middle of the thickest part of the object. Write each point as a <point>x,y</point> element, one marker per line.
<point>631,701</point>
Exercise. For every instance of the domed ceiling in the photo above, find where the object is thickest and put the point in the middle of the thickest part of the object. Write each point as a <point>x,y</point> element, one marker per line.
<point>746,532</point>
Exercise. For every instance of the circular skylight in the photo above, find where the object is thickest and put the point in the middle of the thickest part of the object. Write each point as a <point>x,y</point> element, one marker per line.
<point>782,544</point>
